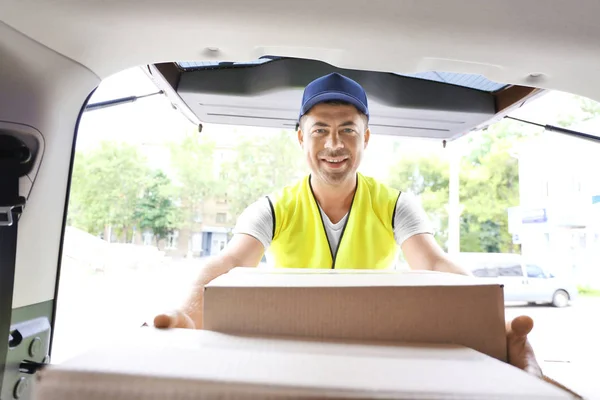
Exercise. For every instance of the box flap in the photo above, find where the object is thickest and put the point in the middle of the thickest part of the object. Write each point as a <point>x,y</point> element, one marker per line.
<point>185,364</point>
<point>292,277</point>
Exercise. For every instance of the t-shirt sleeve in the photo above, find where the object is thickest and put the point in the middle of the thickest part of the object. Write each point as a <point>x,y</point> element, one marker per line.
<point>410,218</point>
<point>257,221</point>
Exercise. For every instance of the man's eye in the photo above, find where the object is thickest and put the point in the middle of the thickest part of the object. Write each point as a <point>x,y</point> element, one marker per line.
<point>348,130</point>
<point>320,131</point>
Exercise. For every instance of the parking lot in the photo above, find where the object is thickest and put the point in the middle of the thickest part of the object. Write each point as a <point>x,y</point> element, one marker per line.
<point>567,342</point>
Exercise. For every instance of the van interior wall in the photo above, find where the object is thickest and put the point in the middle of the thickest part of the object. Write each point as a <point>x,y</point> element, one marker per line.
<point>42,91</point>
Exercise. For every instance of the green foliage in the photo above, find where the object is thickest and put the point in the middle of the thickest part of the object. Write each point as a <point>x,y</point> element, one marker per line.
<point>489,185</point>
<point>428,178</point>
<point>588,291</point>
<point>262,165</point>
<point>106,186</point>
<point>586,109</point>
<point>156,210</point>
<point>194,163</point>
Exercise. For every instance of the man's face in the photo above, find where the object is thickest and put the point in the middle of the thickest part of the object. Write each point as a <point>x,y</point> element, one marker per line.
<point>333,138</point>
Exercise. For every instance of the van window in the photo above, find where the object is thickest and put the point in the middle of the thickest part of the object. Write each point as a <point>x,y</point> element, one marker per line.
<point>533,271</point>
<point>485,272</point>
<point>512,270</point>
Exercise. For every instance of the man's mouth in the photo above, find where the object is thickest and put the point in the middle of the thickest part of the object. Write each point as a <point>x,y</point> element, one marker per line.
<point>335,161</point>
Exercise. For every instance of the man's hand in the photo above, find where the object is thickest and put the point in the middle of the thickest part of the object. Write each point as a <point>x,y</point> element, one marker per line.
<point>175,319</point>
<point>242,250</point>
<point>520,352</point>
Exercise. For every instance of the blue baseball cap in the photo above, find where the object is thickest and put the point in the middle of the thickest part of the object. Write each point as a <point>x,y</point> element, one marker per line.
<point>334,87</point>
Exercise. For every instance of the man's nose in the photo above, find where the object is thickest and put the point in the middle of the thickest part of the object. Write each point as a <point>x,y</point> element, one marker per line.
<point>334,141</point>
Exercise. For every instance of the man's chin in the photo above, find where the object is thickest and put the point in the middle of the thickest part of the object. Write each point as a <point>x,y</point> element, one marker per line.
<point>335,178</point>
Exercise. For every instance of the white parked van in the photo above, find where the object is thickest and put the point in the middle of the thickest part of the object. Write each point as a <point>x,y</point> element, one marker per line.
<point>523,281</point>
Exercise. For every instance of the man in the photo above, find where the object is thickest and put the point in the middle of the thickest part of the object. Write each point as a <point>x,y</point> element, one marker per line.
<point>335,217</point>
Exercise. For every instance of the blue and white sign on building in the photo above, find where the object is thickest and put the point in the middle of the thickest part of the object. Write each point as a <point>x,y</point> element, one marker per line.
<point>534,216</point>
<point>516,238</point>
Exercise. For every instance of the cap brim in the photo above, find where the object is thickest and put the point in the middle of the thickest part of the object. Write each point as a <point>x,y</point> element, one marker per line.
<point>333,96</point>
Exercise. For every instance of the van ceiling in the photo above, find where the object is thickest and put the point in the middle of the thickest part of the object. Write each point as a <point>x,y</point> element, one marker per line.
<point>551,44</point>
<point>267,92</point>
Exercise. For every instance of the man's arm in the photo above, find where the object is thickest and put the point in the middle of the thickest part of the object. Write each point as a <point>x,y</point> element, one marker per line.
<point>423,253</point>
<point>242,251</point>
<point>414,233</point>
<point>252,235</point>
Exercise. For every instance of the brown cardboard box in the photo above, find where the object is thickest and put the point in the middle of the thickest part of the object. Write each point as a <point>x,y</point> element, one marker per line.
<point>187,364</point>
<point>410,307</point>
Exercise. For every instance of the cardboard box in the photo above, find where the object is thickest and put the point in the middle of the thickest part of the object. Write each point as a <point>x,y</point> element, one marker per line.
<point>187,364</point>
<point>410,307</point>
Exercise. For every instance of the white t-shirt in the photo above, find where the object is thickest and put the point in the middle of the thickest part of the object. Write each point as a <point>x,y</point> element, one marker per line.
<point>410,219</point>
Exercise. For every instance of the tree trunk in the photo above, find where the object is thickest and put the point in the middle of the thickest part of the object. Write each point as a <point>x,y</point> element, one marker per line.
<point>108,233</point>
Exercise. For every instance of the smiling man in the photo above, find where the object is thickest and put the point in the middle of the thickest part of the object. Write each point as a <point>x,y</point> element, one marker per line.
<point>336,217</point>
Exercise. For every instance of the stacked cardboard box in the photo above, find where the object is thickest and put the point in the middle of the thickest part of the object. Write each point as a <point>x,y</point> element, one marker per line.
<point>316,334</point>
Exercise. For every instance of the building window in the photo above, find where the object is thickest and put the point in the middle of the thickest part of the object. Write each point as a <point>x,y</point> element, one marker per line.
<point>223,200</point>
<point>221,218</point>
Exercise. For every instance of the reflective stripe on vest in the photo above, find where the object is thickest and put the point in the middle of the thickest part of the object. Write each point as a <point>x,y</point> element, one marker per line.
<point>367,240</point>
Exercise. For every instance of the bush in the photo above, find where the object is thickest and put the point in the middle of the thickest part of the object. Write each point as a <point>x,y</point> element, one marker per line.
<point>588,291</point>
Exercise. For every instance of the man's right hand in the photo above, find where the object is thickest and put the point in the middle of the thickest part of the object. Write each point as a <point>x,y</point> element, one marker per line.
<point>242,250</point>
<point>175,319</point>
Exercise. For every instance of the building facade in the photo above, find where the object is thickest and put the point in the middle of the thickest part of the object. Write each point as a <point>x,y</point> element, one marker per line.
<point>558,220</point>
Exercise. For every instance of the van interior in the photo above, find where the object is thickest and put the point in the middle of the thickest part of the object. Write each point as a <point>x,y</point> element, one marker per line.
<point>436,71</point>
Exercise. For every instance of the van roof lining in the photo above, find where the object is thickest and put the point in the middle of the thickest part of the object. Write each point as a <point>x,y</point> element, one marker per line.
<point>268,94</point>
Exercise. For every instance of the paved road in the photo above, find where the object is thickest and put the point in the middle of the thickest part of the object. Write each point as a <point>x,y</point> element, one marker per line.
<point>567,343</point>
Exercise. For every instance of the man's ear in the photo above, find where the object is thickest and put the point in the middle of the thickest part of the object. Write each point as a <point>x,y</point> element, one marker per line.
<point>367,137</point>
<point>300,137</point>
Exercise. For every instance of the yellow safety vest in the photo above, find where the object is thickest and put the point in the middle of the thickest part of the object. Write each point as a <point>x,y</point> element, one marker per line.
<point>367,240</point>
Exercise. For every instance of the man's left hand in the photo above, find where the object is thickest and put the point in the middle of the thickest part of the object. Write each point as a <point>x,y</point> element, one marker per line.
<point>520,352</point>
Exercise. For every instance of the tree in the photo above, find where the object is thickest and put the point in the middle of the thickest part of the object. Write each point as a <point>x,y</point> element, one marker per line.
<point>156,209</point>
<point>262,165</point>
<point>489,185</point>
<point>427,178</point>
<point>583,109</point>
<point>193,160</point>
<point>106,186</point>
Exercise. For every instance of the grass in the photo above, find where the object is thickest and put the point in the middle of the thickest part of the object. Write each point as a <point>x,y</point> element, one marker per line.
<point>588,291</point>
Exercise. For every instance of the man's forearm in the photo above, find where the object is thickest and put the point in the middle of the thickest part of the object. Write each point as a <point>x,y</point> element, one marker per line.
<point>195,302</point>
<point>445,264</point>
